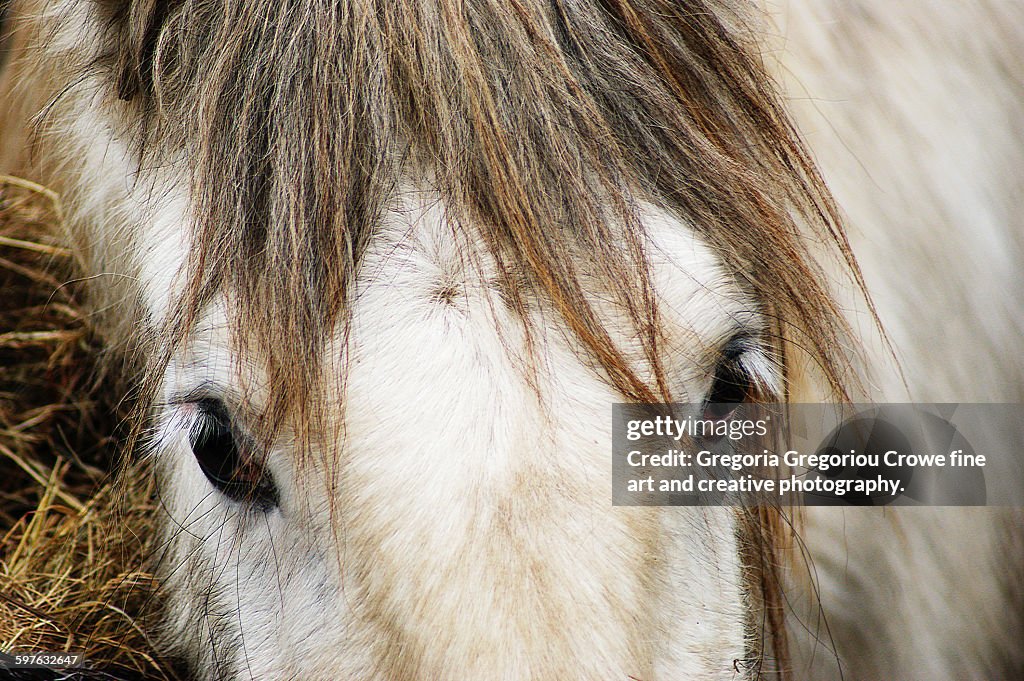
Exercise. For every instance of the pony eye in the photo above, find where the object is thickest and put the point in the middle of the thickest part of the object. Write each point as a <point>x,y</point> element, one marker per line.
<point>730,388</point>
<point>223,459</point>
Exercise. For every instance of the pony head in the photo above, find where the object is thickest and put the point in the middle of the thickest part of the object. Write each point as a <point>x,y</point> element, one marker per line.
<point>388,265</point>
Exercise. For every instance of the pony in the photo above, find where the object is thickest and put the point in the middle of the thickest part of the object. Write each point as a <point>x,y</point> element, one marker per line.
<point>381,268</point>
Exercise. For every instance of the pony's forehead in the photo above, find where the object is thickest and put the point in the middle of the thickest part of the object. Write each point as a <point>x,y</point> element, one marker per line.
<point>428,288</point>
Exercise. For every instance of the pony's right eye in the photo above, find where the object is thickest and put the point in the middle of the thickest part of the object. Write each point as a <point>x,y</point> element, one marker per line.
<point>222,456</point>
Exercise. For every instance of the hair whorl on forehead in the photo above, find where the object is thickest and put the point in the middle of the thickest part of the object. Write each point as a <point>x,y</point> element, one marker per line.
<point>540,122</point>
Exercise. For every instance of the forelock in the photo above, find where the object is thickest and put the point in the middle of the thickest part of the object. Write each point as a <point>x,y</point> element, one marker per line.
<point>541,126</point>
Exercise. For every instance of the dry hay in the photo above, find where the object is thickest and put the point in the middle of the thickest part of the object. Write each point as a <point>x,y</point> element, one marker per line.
<point>73,542</point>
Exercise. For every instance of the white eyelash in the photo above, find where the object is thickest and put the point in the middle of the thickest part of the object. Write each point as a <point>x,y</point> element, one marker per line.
<point>764,373</point>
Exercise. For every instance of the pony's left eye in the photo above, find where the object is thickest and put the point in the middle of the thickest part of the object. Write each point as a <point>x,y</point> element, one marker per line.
<point>731,387</point>
<point>223,458</point>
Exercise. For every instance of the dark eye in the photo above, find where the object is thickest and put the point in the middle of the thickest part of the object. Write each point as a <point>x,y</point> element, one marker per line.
<point>223,458</point>
<point>730,388</point>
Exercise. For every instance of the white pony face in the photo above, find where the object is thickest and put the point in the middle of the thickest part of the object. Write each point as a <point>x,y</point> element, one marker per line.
<point>462,528</point>
<point>452,517</point>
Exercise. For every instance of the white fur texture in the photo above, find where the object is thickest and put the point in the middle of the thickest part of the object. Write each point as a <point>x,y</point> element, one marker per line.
<point>915,112</point>
<point>475,531</point>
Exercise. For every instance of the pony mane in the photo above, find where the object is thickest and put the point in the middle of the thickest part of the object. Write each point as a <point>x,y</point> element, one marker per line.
<point>541,124</point>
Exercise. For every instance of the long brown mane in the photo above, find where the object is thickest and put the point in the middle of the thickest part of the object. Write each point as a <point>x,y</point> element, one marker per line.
<point>541,124</point>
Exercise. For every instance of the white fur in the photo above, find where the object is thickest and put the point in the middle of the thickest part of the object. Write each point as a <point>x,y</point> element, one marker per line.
<point>474,522</point>
<point>915,112</point>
